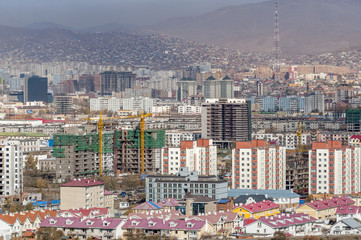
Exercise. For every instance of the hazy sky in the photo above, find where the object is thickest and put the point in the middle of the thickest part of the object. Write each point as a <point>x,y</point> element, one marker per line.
<point>85,13</point>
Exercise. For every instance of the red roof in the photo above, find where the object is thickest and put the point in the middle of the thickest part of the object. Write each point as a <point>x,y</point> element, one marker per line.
<point>253,144</point>
<point>356,137</point>
<point>84,212</point>
<point>82,183</point>
<point>351,209</point>
<point>259,206</point>
<point>285,220</point>
<point>331,144</point>
<point>330,203</point>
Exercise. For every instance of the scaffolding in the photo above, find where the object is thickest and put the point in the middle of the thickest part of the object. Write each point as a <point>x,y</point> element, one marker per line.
<point>87,142</point>
<point>152,138</point>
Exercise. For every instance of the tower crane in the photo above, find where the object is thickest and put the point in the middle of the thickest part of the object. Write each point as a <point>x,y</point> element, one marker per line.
<point>141,117</point>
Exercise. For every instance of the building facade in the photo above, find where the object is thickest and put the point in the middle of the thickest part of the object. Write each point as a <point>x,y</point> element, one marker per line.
<point>159,187</point>
<point>200,156</point>
<point>36,89</point>
<point>334,168</point>
<point>226,119</point>
<point>112,81</point>
<point>258,166</point>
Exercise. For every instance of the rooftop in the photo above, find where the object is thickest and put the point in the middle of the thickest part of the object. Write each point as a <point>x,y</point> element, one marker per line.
<point>82,183</point>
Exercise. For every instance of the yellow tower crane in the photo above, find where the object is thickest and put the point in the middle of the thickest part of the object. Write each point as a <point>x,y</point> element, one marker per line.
<point>142,117</point>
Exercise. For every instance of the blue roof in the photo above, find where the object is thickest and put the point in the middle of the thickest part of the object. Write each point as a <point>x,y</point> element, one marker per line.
<point>270,192</point>
<point>153,204</point>
<point>223,201</point>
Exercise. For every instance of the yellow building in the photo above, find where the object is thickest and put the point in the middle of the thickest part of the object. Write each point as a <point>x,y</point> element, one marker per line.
<point>257,210</point>
<point>325,209</point>
<point>81,193</point>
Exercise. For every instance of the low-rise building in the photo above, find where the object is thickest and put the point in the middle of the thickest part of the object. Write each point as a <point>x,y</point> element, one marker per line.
<point>350,211</point>
<point>257,210</point>
<point>348,226</point>
<point>81,193</point>
<point>179,229</point>
<point>85,213</point>
<point>159,187</point>
<point>84,228</point>
<point>293,224</point>
<point>324,210</point>
<point>286,199</point>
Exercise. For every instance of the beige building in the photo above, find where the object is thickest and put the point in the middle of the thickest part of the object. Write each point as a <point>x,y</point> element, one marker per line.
<point>81,193</point>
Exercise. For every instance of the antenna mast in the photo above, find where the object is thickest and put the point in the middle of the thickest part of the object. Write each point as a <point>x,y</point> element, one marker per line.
<point>277,49</point>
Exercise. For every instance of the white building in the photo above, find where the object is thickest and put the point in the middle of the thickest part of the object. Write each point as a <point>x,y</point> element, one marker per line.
<point>334,168</point>
<point>161,109</point>
<point>200,156</point>
<point>103,103</point>
<point>297,224</point>
<point>348,226</point>
<point>174,138</point>
<point>288,140</point>
<point>189,110</point>
<point>138,104</point>
<point>315,102</point>
<point>258,166</point>
<point>12,168</point>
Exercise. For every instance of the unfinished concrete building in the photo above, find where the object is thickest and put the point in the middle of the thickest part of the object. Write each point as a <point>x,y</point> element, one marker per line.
<point>226,119</point>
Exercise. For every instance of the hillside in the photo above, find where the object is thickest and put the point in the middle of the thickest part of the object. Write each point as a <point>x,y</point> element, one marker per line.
<point>306,26</point>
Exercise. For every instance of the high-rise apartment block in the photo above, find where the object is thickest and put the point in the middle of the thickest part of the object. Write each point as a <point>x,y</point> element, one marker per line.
<point>36,89</point>
<point>200,156</point>
<point>112,81</point>
<point>315,102</point>
<point>334,168</point>
<point>63,104</point>
<point>258,166</point>
<point>186,87</point>
<point>226,119</point>
<point>11,168</point>
<point>222,88</point>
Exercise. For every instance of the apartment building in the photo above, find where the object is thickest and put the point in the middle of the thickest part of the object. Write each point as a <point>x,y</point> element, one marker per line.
<point>159,187</point>
<point>81,193</point>
<point>334,168</point>
<point>173,138</point>
<point>226,119</point>
<point>200,156</point>
<point>255,165</point>
<point>11,157</point>
<point>189,110</point>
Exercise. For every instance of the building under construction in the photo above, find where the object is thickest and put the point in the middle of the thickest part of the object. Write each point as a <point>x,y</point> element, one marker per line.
<point>78,154</point>
<point>127,154</point>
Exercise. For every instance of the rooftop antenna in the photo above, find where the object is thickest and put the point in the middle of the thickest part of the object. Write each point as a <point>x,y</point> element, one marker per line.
<point>277,49</point>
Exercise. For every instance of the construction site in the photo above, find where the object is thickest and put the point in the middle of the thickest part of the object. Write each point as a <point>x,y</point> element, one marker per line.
<point>78,154</point>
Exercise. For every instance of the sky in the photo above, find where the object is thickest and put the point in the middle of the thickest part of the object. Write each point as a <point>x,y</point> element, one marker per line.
<point>88,13</point>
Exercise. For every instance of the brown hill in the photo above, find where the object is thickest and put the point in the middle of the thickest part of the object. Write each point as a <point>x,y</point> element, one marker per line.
<point>306,26</point>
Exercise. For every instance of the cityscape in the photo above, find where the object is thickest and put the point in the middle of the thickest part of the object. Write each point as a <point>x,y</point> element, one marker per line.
<point>227,120</point>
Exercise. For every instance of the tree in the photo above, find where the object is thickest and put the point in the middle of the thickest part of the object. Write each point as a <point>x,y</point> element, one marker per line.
<point>41,183</point>
<point>110,183</point>
<point>31,163</point>
<point>49,234</point>
<point>29,206</point>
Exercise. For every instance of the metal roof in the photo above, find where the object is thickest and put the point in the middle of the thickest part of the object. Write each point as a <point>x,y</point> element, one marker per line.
<point>269,192</point>
<point>351,222</point>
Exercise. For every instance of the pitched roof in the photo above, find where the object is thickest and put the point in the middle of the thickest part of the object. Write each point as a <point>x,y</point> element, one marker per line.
<point>270,192</point>
<point>147,206</point>
<point>215,217</point>
<point>351,222</point>
<point>351,209</point>
<point>73,222</point>
<point>257,198</point>
<point>22,216</point>
<point>285,220</point>
<point>161,224</point>
<point>169,202</point>
<point>259,206</point>
<point>161,214</point>
<point>330,203</point>
<point>82,183</point>
<point>84,212</point>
